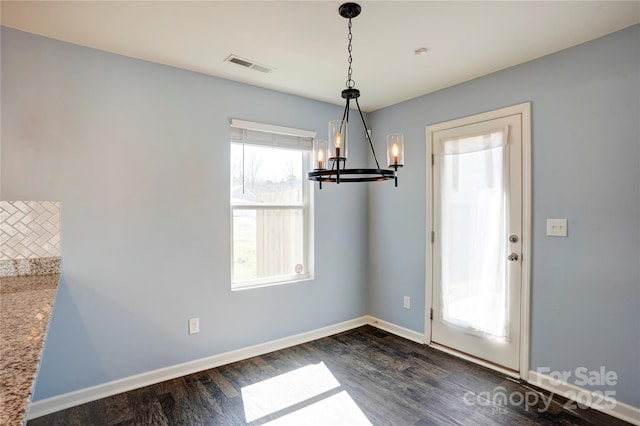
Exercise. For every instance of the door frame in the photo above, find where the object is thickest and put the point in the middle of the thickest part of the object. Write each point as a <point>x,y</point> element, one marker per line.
<point>524,110</point>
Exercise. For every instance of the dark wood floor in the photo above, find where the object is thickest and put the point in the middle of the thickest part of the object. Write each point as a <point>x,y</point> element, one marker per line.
<point>363,376</point>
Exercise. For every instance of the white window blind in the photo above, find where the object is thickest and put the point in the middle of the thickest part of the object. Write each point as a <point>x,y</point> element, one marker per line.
<point>270,135</point>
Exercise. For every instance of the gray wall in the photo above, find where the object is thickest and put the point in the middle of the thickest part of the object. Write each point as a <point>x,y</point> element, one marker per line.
<point>586,167</point>
<point>138,155</point>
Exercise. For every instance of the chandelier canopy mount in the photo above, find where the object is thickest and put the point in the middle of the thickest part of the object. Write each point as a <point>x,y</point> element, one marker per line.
<point>349,10</point>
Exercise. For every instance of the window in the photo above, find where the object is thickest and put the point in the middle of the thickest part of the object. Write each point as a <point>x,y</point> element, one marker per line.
<point>270,197</point>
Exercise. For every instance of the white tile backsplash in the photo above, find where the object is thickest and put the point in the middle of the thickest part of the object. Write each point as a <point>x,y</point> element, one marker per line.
<point>29,229</point>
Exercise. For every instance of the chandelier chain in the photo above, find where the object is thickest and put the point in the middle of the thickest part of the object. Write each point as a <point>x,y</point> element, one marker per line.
<point>350,82</point>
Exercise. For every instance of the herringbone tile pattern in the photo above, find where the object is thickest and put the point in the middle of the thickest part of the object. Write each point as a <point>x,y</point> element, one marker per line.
<point>29,229</point>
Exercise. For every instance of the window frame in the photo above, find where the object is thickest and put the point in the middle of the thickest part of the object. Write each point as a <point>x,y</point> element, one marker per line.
<point>240,130</point>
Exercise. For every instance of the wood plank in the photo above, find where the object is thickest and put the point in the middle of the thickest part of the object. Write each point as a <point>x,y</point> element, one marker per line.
<point>222,383</point>
<point>117,409</point>
<point>146,408</point>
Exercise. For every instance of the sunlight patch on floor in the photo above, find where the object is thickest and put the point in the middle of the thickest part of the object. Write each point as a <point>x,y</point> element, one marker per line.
<point>286,390</point>
<point>338,409</point>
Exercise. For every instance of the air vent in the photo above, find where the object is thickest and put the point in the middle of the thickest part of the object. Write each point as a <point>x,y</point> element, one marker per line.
<point>249,64</point>
<point>240,62</point>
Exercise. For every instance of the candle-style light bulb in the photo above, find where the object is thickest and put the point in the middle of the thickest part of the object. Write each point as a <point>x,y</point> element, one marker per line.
<point>337,143</point>
<point>320,158</point>
<point>395,150</point>
<point>337,140</point>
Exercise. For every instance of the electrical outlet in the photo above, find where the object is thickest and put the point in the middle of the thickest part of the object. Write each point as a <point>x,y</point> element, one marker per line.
<point>194,325</point>
<point>407,302</point>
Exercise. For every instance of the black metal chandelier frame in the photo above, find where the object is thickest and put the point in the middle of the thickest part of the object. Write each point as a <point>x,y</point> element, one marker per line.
<point>336,174</point>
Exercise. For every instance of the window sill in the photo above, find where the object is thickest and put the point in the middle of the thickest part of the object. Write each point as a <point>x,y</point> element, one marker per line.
<point>249,285</point>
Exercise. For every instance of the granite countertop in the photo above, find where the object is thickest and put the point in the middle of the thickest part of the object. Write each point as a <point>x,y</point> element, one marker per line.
<point>25,307</point>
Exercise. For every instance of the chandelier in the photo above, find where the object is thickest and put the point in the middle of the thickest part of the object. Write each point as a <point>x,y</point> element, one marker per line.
<point>330,159</point>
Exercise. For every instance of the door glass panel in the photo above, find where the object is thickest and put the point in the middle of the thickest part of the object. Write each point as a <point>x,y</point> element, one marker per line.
<point>473,225</point>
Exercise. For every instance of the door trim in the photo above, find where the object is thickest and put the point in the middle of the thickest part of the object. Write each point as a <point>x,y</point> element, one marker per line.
<point>524,110</point>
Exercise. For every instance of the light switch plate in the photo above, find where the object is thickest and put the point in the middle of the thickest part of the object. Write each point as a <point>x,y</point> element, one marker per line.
<point>557,227</point>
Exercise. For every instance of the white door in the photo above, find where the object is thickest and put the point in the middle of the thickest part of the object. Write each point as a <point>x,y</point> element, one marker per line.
<point>477,239</point>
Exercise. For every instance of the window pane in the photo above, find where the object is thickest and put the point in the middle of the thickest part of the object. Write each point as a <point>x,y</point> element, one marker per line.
<point>270,175</point>
<point>267,243</point>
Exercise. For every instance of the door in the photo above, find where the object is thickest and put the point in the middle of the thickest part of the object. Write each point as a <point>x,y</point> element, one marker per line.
<point>477,239</point>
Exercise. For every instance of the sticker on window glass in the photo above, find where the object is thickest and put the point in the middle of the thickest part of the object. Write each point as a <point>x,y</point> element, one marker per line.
<point>299,268</point>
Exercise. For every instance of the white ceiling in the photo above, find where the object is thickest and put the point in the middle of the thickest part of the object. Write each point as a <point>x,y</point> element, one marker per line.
<point>306,41</point>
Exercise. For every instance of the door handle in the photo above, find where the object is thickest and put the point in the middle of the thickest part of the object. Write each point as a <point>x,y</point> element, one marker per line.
<point>513,257</point>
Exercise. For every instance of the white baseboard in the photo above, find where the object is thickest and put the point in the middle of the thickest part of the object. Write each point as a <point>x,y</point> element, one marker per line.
<point>60,402</point>
<point>607,405</point>
<point>396,329</point>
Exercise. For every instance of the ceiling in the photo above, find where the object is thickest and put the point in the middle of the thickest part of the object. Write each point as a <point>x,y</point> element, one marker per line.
<point>306,41</point>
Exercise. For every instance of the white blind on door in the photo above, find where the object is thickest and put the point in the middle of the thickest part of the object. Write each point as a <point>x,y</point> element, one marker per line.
<point>473,226</point>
